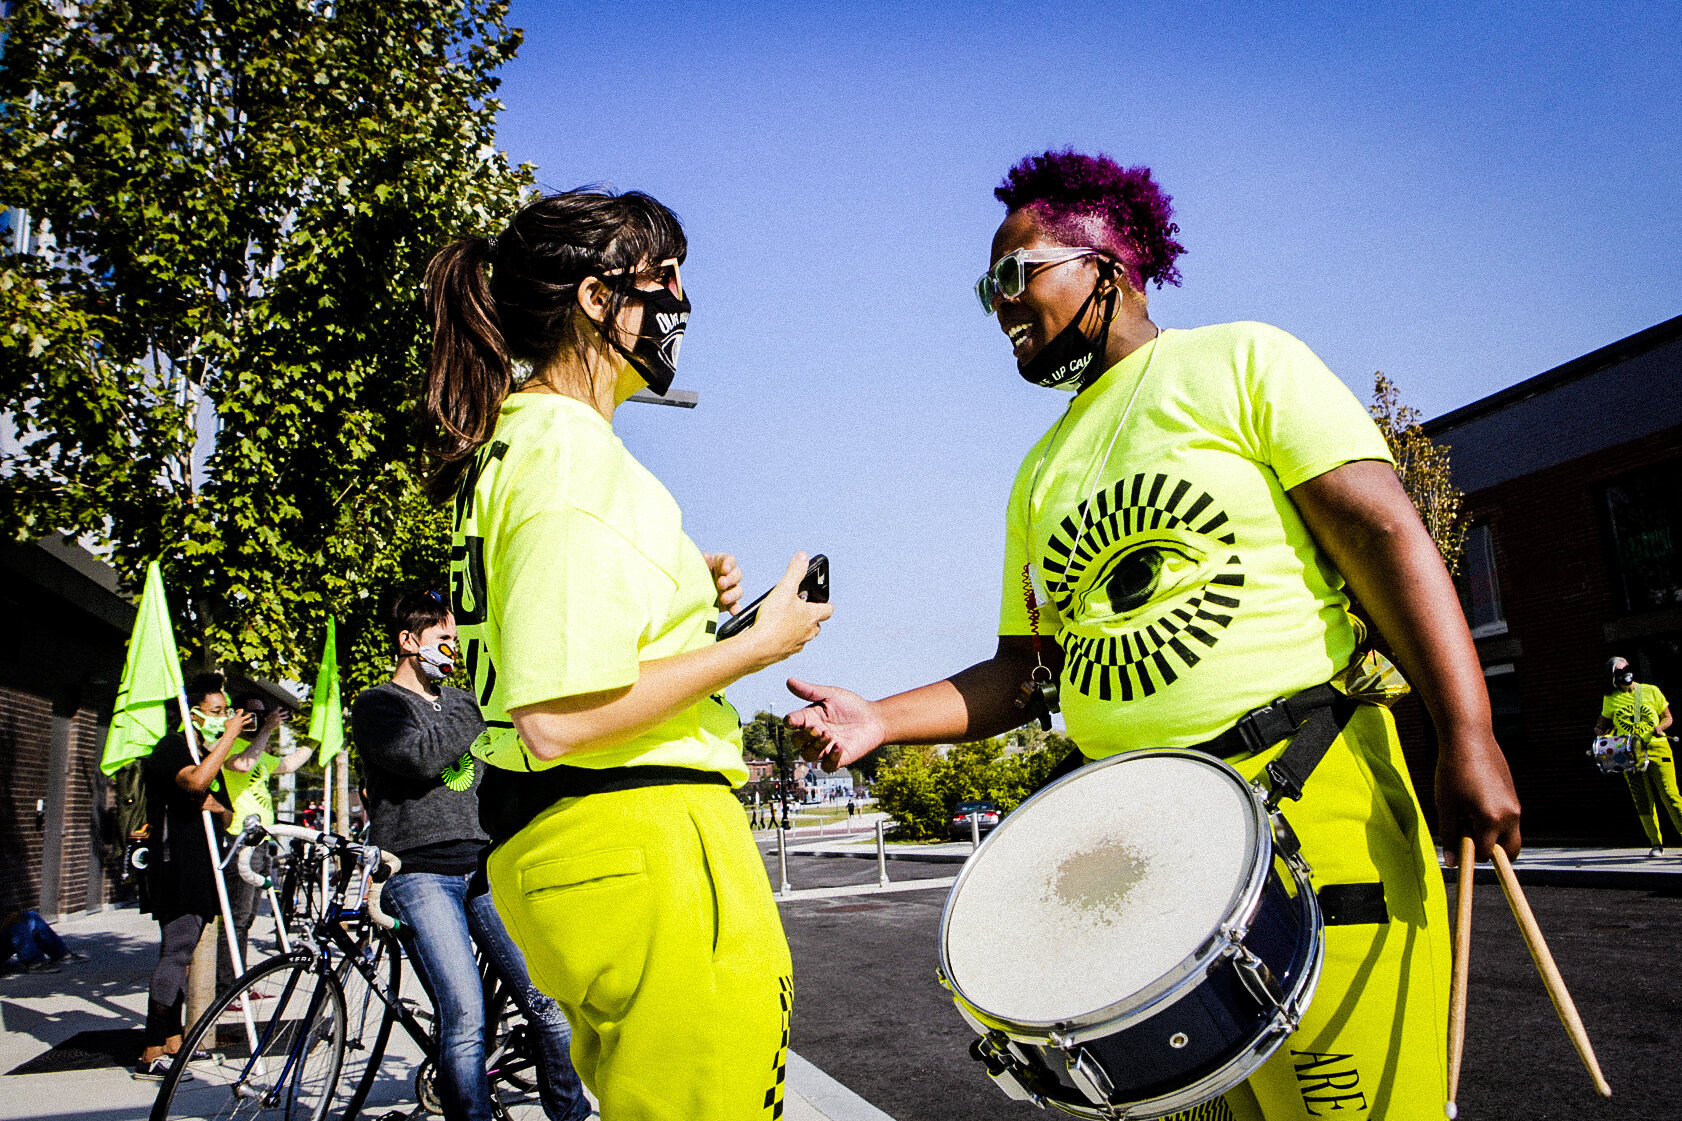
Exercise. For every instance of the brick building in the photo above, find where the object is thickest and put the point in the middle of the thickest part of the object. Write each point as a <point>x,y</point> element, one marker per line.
<point>1573,484</point>
<point>67,628</point>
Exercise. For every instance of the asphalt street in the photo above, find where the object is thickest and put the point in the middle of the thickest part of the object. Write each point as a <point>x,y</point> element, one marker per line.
<point>870,1013</point>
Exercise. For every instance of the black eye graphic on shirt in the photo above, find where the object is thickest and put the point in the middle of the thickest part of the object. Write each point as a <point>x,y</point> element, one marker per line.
<point>1152,580</point>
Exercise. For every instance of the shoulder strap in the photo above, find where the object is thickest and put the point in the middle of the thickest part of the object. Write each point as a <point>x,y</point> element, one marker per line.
<point>1308,746</point>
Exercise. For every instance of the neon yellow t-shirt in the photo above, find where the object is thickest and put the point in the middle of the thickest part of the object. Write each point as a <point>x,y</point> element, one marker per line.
<point>570,568</point>
<point>1189,591</point>
<point>1619,707</point>
<point>250,791</point>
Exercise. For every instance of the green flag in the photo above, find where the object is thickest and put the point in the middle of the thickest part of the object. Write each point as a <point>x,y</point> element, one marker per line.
<point>151,681</point>
<point>327,714</point>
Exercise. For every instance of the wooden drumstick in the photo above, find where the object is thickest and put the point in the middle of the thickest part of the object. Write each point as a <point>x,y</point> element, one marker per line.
<point>1462,963</point>
<point>1549,971</point>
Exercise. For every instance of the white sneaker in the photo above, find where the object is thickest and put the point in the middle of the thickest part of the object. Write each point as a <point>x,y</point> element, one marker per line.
<point>157,1069</point>
<point>1656,850</point>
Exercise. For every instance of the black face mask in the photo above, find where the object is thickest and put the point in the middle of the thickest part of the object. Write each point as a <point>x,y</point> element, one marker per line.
<point>664,318</point>
<point>1070,360</point>
<point>1622,677</point>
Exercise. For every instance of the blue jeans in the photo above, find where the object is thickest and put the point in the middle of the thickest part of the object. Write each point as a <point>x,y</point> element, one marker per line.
<point>32,940</point>
<point>445,923</point>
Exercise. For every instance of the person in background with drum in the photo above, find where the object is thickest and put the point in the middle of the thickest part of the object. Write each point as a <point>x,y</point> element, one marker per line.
<point>1641,712</point>
<point>1177,552</point>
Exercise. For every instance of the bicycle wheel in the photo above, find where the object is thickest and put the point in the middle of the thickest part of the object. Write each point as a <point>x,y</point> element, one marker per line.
<point>298,1014</point>
<point>368,1019</point>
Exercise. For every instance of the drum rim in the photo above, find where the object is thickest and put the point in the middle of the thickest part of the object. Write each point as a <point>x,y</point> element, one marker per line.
<point>1187,974</point>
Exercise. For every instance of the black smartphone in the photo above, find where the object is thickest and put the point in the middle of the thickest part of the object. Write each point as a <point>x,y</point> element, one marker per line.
<point>814,588</point>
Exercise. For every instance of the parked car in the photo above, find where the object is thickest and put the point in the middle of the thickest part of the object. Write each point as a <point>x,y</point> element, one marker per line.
<point>988,812</point>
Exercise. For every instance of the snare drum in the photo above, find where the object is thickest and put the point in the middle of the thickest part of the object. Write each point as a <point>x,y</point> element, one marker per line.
<point>1135,939</point>
<point>1614,754</point>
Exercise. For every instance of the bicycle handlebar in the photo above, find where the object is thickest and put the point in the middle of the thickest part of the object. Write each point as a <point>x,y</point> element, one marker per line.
<point>373,855</point>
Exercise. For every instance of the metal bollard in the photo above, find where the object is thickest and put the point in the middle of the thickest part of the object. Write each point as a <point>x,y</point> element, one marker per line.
<point>881,857</point>
<point>782,859</point>
<point>975,829</point>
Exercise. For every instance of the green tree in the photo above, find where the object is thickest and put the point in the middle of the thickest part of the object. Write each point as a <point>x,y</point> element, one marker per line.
<point>908,789</point>
<point>919,787</point>
<point>211,357</point>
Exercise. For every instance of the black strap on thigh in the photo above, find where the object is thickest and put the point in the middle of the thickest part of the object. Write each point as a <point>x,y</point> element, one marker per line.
<point>509,800</point>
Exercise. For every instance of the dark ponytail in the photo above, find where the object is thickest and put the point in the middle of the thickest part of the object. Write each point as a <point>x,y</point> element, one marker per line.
<point>526,310</point>
<point>469,374</point>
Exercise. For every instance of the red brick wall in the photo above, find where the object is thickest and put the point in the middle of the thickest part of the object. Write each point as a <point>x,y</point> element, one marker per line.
<point>25,738</point>
<point>1559,592</point>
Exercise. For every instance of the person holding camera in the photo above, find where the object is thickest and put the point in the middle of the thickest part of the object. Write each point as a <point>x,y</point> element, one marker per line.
<point>247,776</point>
<point>413,734</point>
<point>181,872</point>
<point>627,874</point>
<point>1641,712</point>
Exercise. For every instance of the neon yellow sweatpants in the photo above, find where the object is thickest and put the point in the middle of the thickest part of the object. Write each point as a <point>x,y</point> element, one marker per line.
<point>647,915</point>
<point>1374,1041</point>
<point>1652,787</point>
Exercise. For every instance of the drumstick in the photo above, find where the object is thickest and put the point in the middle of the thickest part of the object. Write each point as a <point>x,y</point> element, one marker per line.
<point>1462,962</point>
<point>1549,971</point>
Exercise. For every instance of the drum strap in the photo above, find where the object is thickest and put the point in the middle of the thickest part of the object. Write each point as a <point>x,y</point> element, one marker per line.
<point>1312,719</point>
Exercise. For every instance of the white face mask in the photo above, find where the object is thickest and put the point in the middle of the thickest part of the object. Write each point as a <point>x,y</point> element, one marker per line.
<point>438,660</point>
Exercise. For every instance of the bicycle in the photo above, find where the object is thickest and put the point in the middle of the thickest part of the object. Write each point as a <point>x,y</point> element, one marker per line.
<point>281,1034</point>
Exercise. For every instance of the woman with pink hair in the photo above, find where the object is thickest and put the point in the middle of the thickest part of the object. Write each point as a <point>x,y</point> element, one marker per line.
<point>1182,548</point>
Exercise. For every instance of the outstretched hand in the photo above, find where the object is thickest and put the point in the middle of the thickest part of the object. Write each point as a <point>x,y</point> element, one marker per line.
<point>838,728</point>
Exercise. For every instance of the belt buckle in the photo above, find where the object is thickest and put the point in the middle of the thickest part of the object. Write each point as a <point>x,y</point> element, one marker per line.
<point>1250,732</point>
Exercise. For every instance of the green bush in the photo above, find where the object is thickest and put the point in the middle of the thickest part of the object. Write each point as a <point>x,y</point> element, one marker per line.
<point>920,788</point>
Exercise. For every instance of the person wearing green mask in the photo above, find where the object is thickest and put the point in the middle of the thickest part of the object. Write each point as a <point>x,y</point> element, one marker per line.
<point>247,776</point>
<point>181,875</point>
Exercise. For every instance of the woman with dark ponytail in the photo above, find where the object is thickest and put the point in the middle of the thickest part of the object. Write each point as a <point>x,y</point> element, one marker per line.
<point>623,866</point>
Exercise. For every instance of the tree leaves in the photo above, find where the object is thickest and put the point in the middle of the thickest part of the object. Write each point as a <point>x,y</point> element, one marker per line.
<point>213,360</point>
<point>1424,468</point>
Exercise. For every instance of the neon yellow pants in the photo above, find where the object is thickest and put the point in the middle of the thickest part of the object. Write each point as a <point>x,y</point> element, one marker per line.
<point>1653,786</point>
<point>647,915</point>
<point>1374,1040</point>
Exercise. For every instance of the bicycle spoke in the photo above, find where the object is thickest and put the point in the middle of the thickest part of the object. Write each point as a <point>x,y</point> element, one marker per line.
<point>300,1021</point>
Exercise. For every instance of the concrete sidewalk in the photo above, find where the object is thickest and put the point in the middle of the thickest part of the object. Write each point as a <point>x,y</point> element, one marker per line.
<point>107,993</point>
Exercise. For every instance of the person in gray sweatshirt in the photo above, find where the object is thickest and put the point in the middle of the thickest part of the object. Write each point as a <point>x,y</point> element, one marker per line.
<point>413,734</point>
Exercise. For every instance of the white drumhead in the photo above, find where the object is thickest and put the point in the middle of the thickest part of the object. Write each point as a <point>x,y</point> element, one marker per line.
<point>1100,887</point>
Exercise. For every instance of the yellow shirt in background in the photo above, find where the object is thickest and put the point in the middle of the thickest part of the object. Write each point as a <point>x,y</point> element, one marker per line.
<point>1168,560</point>
<point>250,791</point>
<point>1619,708</point>
<point>570,568</point>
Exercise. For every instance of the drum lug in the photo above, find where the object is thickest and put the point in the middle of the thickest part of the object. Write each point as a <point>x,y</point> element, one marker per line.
<point>1002,1067</point>
<point>1089,1078</point>
<point>1259,979</point>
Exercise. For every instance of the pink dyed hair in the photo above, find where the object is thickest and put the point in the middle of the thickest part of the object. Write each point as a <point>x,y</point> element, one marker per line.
<point>1095,202</point>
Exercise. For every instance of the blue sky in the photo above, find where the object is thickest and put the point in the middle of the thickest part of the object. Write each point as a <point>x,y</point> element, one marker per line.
<point>1462,195</point>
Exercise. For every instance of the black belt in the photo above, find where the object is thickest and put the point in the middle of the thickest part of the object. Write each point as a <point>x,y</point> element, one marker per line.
<point>1312,718</point>
<point>509,800</point>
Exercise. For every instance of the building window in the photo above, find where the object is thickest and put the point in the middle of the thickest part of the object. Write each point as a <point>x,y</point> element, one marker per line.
<point>1480,589</point>
<point>1645,512</point>
<point>1504,709</point>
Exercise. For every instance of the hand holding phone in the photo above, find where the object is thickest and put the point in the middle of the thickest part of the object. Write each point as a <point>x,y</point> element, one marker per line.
<point>814,588</point>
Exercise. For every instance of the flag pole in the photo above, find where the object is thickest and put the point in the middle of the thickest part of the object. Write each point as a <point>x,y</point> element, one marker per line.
<point>191,733</point>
